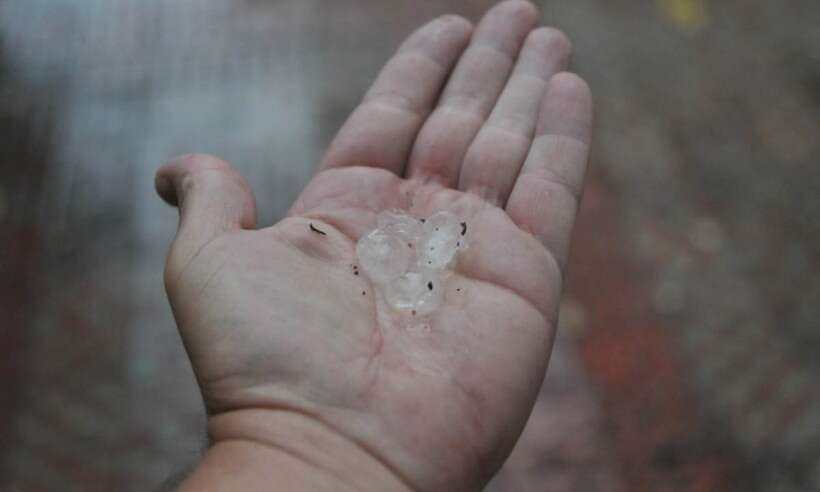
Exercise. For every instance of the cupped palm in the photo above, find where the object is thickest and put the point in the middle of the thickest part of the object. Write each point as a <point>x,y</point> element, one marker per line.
<point>281,318</point>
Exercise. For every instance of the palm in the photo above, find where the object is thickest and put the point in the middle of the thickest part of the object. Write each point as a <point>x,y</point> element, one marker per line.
<point>278,317</point>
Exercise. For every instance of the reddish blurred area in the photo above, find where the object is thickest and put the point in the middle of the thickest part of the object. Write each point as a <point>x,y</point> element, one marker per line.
<point>686,358</point>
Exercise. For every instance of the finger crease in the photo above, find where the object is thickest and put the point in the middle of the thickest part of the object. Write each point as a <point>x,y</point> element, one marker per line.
<point>398,102</point>
<point>459,111</point>
<point>424,57</point>
<point>516,127</point>
<point>550,177</point>
<point>479,46</point>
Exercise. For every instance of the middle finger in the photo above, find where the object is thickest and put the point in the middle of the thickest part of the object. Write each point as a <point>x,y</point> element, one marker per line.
<point>471,92</point>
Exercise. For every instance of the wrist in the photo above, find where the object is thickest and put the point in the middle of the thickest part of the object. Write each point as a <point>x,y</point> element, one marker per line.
<point>285,450</point>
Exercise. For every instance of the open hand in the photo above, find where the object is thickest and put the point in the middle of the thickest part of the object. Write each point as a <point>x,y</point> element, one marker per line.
<point>277,320</point>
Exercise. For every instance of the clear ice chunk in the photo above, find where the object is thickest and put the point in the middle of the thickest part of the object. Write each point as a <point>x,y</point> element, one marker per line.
<point>406,227</point>
<point>408,259</point>
<point>442,235</point>
<point>419,292</point>
<point>383,257</point>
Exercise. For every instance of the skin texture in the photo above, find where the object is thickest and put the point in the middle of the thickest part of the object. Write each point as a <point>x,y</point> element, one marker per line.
<point>284,336</point>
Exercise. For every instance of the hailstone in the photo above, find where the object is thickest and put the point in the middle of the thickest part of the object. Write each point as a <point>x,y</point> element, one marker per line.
<point>383,256</point>
<point>417,292</point>
<point>442,239</point>
<point>408,259</point>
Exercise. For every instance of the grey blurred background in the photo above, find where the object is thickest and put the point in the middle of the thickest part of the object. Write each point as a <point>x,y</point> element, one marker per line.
<point>686,359</point>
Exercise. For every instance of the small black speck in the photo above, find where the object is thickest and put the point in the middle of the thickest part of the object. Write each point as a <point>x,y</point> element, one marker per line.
<point>458,290</point>
<point>355,272</point>
<point>414,312</point>
<point>432,248</point>
<point>429,262</point>
<point>463,228</point>
<point>409,245</point>
<point>317,231</point>
<point>436,228</point>
<point>364,293</point>
<point>458,244</point>
<point>423,220</point>
<point>430,285</point>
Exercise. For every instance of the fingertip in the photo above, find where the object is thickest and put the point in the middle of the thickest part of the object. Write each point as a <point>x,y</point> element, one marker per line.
<point>568,107</point>
<point>523,8</point>
<point>194,162</point>
<point>442,39</point>
<point>552,42</point>
<point>176,178</point>
<point>456,23</point>
<point>570,84</point>
<point>170,174</point>
<point>546,51</point>
<point>570,87</point>
<point>506,25</point>
<point>165,187</point>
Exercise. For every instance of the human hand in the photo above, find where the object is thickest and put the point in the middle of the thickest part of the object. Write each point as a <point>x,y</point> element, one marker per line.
<point>287,341</point>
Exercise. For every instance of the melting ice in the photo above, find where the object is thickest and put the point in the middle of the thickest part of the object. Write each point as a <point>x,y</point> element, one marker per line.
<point>409,258</point>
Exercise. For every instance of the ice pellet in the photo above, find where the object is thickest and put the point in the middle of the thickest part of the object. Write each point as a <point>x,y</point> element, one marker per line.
<point>418,292</point>
<point>383,256</point>
<point>440,242</point>
<point>395,222</point>
<point>409,258</point>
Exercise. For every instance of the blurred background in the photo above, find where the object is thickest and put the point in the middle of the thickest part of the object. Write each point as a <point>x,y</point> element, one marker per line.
<point>687,355</point>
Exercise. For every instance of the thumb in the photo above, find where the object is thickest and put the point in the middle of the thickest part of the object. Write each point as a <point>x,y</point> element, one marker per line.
<point>212,197</point>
